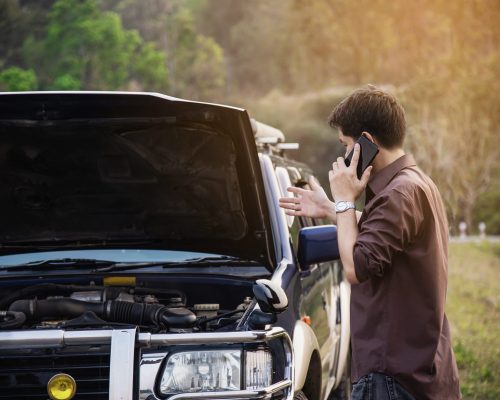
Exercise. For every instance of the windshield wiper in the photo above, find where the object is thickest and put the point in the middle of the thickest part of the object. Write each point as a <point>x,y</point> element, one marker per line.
<point>199,262</point>
<point>52,243</point>
<point>66,263</point>
<point>109,266</point>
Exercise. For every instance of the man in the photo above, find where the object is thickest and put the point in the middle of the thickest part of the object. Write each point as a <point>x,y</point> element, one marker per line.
<point>394,254</point>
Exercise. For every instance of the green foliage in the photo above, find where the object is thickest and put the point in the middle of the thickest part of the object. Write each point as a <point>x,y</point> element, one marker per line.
<point>148,65</point>
<point>89,49</point>
<point>206,72</point>
<point>15,79</point>
<point>486,209</point>
<point>67,82</point>
<point>473,309</point>
<point>464,356</point>
<point>197,62</point>
<point>441,57</point>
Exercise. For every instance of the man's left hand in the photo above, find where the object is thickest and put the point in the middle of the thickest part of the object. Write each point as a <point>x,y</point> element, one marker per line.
<point>344,182</point>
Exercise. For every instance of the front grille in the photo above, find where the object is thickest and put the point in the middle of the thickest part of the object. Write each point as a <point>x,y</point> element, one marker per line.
<point>24,373</point>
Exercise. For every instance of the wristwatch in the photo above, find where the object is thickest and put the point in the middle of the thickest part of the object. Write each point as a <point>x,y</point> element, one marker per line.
<point>341,206</point>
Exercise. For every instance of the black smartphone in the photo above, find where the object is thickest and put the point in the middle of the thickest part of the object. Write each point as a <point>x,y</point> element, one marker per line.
<point>368,151</point>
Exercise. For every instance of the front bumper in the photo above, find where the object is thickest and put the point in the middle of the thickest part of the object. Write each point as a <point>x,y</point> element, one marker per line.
<point>126,344</point>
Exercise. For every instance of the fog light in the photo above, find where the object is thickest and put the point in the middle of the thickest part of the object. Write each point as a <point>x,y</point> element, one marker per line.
<point>61,387</point>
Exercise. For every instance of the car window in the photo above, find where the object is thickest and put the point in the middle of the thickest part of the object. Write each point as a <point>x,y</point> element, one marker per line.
<point>305,221</point>
<point>284,182</point>
<point>291,177</point>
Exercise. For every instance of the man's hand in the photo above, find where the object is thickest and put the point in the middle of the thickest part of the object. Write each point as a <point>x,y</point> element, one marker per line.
<point>344,182</point>
<point>309,203</point>
<point>346,186</point>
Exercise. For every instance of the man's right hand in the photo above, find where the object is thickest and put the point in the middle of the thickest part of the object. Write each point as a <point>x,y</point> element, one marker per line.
<point>309,203</point>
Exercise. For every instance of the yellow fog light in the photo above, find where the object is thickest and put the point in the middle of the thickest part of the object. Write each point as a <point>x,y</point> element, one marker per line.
<point>61,387</point>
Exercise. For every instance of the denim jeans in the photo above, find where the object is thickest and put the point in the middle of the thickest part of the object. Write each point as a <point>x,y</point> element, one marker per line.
<point>377,386</point>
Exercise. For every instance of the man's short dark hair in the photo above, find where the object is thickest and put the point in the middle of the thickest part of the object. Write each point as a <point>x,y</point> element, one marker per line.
<point>372,110</point>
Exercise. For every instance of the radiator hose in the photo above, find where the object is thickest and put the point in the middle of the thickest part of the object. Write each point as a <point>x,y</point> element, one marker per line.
<point>11,319</point>
<point>112,311</point>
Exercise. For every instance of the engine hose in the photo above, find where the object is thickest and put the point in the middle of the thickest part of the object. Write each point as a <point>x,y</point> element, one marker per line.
<point>56,308</point>
<point>112,311</point>
<point>45,289</point>
<point>11,319</point>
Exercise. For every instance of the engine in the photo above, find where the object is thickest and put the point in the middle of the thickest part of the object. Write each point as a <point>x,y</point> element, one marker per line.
<point>75,306</point>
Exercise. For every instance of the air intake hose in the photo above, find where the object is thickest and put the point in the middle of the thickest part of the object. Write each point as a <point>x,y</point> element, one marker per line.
<point>112,311</point>
<point>11,319</point>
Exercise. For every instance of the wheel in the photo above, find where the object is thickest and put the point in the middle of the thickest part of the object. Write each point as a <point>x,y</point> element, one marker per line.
<point>300,396</point>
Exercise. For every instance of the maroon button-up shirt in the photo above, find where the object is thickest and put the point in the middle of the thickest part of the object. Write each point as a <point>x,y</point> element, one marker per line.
<point>398,324</point>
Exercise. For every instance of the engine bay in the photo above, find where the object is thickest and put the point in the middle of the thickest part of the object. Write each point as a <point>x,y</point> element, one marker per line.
<point>152,309</point>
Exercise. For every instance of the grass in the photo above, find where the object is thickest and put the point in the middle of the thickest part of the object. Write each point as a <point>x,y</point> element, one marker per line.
<point>473,308</point>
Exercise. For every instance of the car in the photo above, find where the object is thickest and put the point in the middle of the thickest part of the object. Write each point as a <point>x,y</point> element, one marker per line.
<point>143,255</point>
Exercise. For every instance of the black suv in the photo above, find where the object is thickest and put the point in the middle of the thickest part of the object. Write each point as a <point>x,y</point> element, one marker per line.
<point>143,255</point>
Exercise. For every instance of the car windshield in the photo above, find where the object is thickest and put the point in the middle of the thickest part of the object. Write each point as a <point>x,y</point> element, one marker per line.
<point>119,255</point>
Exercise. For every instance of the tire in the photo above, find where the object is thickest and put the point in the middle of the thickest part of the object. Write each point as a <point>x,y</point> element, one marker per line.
<point>300,396</point>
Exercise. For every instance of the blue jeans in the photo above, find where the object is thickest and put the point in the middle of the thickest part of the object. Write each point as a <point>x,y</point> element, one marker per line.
<point>377,386</point>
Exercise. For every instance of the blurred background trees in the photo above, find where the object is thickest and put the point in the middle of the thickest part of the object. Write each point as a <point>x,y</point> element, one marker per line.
<point>289,62</point>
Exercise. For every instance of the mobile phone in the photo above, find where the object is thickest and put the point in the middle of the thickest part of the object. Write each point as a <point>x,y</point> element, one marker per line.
<point>368,151</point>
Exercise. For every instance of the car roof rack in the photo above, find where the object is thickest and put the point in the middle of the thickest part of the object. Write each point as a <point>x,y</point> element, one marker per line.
<point>270,139</point>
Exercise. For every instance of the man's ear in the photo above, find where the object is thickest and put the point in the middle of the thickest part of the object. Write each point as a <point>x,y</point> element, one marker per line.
<point>369,137</point>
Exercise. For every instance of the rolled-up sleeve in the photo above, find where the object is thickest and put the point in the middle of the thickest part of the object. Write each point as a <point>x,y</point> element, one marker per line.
<point>392,223</point>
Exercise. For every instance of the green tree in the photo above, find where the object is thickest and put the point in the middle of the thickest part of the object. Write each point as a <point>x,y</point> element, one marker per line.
<point>15,79</point>
<point>89,48</point>
<point>67,82</point>
<point>196,63</point>
<point>18,19</point>
<point>149,68</point>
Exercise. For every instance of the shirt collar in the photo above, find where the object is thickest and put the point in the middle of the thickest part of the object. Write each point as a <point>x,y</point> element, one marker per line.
<point>382,178</point>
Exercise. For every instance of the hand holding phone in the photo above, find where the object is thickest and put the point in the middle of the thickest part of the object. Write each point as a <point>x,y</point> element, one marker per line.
<point>367,152</point>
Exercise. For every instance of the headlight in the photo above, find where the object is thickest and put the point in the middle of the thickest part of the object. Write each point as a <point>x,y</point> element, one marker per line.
<point>215,370</point>
<point>258,369</point>
<point>202,371</point>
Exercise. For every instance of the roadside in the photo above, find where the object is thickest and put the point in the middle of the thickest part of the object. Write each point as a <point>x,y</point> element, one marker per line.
<point>473,308</point>
<point>475,239</point>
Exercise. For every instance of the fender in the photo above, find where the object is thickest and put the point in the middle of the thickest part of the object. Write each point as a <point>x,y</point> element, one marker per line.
<point>304,343</point>
<point>345,329</point>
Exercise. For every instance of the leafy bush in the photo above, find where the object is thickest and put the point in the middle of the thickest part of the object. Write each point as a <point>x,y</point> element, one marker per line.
<point>15,79</point>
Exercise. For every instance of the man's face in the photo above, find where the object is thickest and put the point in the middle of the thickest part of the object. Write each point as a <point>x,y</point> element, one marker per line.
<point>347,141</point>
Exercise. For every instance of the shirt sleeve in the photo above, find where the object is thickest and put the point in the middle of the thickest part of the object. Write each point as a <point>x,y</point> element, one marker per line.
<point>391,225</point>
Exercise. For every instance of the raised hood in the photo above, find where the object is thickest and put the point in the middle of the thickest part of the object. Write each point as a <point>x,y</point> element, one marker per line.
<point>129,170</point>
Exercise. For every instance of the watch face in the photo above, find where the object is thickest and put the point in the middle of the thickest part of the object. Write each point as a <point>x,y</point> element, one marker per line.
<point>341,205</point>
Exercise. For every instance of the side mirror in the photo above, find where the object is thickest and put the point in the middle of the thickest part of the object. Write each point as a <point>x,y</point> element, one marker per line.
<point>270,296</point>
<point>317,244</point>
<point>272,300</point>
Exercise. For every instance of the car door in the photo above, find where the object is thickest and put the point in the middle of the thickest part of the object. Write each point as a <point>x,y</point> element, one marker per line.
<point>319,305</point>
<point>331,278</point>
<point>328,279</point>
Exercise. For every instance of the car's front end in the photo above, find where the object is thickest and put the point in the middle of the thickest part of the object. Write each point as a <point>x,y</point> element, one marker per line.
<point>132,235</point>
<point>123,363</point>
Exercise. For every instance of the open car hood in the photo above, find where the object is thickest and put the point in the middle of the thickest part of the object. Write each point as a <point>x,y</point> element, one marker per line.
<point>129,170</point>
